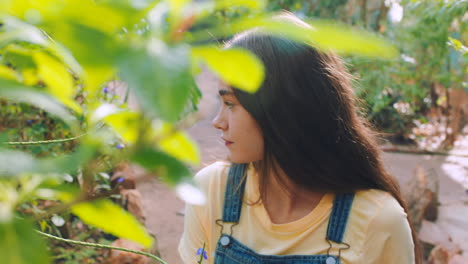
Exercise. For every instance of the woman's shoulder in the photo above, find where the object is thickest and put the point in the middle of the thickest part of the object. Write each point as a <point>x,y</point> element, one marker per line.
<point>379,207</point>
<point>377,199</point>
<point>382,228</point>
<point>375,213</point>
<point>213,174</point>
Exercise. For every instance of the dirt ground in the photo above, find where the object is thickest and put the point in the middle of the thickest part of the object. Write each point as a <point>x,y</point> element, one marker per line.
<point>163,208</point>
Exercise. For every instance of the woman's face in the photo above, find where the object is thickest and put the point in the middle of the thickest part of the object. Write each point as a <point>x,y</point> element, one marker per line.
<point>240,132</point>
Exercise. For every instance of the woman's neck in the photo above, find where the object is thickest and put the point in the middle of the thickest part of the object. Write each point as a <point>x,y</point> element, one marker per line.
<point>283,206</point>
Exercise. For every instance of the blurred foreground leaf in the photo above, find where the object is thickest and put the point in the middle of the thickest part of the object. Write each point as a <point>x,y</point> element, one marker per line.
<point>113,219</point>
<point>17,92</point>
<point>95,76</point>
<point>237,67</point>
<point>181,146</point>
<point>90,46</point>
<point>321,34</point>
<point>252,4</point>
<point>19,244</point>
<point>14,163</point>
<point>55,75</point>
<point>19,57</point>
<point>106,16</point>
<point>176,143</point>
<point>125,124</point>
<point>160,78</point>
<point>14,29</point>
<point>207,8</point>
<point>8,73</point>
<point>68,163</point>
<point>172,170</point>
<point>58,79</point>
<point>345,40</point>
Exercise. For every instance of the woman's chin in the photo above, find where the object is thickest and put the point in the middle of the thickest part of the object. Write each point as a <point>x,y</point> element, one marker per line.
<point>241,159</point>
<point>236,159</point>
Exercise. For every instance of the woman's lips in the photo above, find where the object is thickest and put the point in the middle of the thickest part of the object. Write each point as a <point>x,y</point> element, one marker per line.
<point>227,142</point>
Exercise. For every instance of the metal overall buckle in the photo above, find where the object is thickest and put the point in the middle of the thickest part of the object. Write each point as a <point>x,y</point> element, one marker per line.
<point>331,259</point>
<point>225,240</point>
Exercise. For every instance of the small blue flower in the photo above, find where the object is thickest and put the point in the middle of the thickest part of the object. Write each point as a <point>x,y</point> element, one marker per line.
<point>105,90</point>
<point>29,122</point>
<point>120,146</point>
<point>466,191</point>
<point>120,179</point>
<point>199,251</point>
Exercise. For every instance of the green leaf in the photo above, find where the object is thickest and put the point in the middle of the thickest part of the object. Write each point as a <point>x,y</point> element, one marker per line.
<point>237,67</point>
<point>321,34</point>
<point>20,57</point>
<point>55,75</point>
<point>455,43</point>
<point>58,79</point>
<point>111,16</point>
<point>113,219</point>
<point>8,73</point>
<point>207,8</point>
<point>95,76</point>
<point>96,15</point>
<point>13,162</point>
<point>172,170</point>
<point>345,40</point>
<point>19,244</point>
<point>181,146</point>
<point>126,124</point>
<point>17,92</point>
<point>252,4</point>
<point>88,45</point>
<point>69,163</point>
<point>160,78</point>
<point>176,143</point>
<point>15,29</point>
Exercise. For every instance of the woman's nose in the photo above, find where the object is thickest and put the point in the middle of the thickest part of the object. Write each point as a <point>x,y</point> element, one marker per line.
<point>219,122</point>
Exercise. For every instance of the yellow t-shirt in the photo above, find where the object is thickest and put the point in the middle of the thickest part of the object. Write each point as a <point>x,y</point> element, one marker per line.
<point>377,229</point>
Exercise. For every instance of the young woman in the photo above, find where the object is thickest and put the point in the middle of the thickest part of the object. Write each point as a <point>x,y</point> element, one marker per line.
<point>305,182</point>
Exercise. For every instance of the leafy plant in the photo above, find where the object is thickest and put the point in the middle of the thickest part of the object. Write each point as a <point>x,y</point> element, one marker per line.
<point>426,62</point>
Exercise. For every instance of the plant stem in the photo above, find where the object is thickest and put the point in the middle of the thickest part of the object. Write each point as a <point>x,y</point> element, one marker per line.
<point>202,253</point>
<point>44,141</point>
<point>66,206</point>
<point>88,244</point>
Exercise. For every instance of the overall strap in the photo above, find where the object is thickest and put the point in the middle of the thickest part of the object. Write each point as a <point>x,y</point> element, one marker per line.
<point>234,193</point>
<point>339,216</point>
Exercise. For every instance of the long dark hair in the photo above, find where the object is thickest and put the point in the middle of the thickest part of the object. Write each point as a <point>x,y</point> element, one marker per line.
<point>307,112</point>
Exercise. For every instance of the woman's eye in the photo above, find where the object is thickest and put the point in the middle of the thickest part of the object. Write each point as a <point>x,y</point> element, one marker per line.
<point>228,104</point>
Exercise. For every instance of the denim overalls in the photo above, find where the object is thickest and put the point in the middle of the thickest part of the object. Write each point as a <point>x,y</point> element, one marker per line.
<point>231,251</point>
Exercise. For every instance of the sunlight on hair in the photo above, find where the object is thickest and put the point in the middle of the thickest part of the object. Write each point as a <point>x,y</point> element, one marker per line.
<point>190,194</point>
